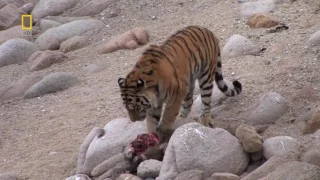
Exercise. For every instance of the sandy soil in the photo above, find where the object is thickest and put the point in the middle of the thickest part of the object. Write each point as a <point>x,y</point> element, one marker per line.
<point>39,138</point>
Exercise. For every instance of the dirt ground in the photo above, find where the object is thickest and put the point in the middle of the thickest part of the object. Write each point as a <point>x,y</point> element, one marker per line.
<point>40,137</point>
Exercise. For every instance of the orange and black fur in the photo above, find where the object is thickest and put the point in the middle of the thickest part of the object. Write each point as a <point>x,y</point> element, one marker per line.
<point>164,79</point>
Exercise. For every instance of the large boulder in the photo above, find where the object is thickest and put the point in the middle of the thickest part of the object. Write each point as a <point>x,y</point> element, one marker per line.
<point>51,8</point>
<point>12,33</point>
<point>295,170</point>
<point>194,146</point>
<point>117,134</point>
<point>51,39</point>
<point>52,83</point>
<point>93,7</point>
<point>268,109</point>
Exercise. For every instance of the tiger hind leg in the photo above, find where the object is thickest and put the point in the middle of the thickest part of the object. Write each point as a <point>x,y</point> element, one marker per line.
<point>206,86</point>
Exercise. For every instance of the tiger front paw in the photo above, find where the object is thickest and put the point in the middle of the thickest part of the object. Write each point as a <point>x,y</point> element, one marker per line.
<point>164,134</point>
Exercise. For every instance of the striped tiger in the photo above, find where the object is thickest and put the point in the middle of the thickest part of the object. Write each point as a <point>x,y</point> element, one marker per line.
<point>160,86</point>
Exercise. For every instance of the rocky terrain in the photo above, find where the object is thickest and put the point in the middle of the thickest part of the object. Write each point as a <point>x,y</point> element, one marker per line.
<point>61,115</point>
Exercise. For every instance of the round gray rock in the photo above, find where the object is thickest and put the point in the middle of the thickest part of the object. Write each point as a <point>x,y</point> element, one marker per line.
<point>76,42</point>
<point>15,51</point>
<point>267,110</point>
<point>51,8</point>
<point>149,169</point>
<point>194,146</point>
<point>46,24</point>
<point>312,157</point>
<point>295,171</point>
<point>279,145</point>
<point>93,7</point>
<point>65,31</point>
<point>238,45</point>
<point>51,83</point>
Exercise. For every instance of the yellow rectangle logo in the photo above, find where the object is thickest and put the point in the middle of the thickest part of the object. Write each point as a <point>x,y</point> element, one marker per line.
<point>23,17</point>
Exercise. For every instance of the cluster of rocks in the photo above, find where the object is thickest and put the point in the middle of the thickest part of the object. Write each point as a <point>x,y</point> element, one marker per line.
<point>198,152</point>
<point>51,41</point>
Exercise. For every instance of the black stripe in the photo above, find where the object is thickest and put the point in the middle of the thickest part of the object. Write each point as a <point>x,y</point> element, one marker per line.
<point>194,40</point>
<point>219,77</point>
<point>206,95</point>
<point>232,93</point>
<point>208,88</point>
<point>199,50</point>
<point>224,88</point>
<point>219,64</point>
<point>155,116</point>
<point>206,46</point>
<point>205,103</point>
<point>203,74</point>
<point>187,107</point>
<point>204,82</point>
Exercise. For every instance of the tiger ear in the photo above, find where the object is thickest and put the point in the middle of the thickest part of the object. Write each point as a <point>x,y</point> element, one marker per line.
<point>152,98</point>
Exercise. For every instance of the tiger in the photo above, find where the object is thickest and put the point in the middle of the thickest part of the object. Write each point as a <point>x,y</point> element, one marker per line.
<point>160,86</point>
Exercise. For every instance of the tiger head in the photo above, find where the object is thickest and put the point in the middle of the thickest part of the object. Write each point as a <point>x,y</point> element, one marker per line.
<point>137,98</point>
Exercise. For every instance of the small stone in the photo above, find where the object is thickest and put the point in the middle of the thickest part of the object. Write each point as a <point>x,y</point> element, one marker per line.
<point>250,139</point>
<point>27,8</point>
<point>261,21</point>
<point>238,45</point>
<point>314,40</point>
<point>153,17</point>
<point>194,174</point>
<point>149,168</point>
<point>128,177</point>
<point>129,40</point>
<point>267,110</point>
<point>313,124</point>
<point>312,157</point>
<point>279,145</point>
<point>224,176</point>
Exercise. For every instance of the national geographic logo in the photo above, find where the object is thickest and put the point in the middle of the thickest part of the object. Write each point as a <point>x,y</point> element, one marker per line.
<point>26,24</point>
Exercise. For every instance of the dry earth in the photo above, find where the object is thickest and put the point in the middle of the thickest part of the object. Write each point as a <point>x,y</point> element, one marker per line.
<point>39,138</point>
